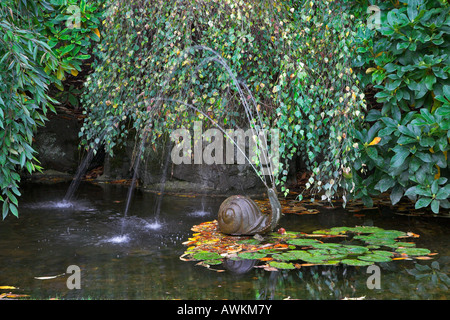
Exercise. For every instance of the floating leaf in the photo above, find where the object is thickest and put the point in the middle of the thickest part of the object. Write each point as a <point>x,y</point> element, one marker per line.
<point>212,262</point>
<point>349,249</point>
<point>281,265</point>
<point>302,242</point>
<point>206,255</point>
<point>413,251</point>
<point>251,255</point>
<point>356,262</point>
<point>375,258</point>
<point>7,287</point>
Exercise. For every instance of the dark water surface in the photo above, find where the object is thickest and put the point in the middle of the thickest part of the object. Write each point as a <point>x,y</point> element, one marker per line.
<point>143,262</point>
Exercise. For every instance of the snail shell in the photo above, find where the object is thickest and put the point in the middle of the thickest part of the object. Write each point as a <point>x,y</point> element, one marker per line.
<point>239,215</point>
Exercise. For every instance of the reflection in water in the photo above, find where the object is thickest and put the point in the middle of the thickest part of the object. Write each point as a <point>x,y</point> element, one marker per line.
<point>144,263</point>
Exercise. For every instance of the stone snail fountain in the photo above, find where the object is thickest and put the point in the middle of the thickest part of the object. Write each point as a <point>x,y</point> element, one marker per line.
<point>239,215</point>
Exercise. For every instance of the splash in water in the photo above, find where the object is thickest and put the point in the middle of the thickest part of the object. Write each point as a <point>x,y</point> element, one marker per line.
<point>119,239</point>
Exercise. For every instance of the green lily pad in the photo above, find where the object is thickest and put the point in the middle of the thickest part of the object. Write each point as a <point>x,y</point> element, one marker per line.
<point>251,255</point>
<point>359,229</point>
<point>356,262</point>
<point>268,251</point>
<point>413,251</point>
<point>302,242</point>
<point>383,253</point>
<point>402,244</point>
<point>389,234</point>
<point>326,245</point>
<point>285,256</point>
<point>206,255</point>
<point>328,232</point>
<point>281,265</point>
<point>292,255</point>
<point>375,258</point>
<point>351,249</point>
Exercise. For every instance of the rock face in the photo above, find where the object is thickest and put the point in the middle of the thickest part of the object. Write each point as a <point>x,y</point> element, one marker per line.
<point>57,144</point>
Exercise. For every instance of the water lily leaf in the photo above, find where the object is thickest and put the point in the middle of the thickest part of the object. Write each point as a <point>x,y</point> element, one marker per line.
<point>375,258</point>
<point>281,265</point>
<point>350,249</point>
<point>302,242</point>
<point>206,255</point>
<point>251,255</point>
<point>356,262</point>
<point>326,245</point>
<point>212,262</point>
<point>413,251</point>
<point>286,256</point>
<point>402,244</point>
<point>384,253</point>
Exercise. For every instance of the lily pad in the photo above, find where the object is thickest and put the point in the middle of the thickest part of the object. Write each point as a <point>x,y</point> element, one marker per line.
<point>413,251</point>
<point>302,242</point>
<point>281,265</point>
<point>356,262</point>
<point>375,258</point>
<point>351,249</point>
<point>251,255</point>
<point>402,244</point>
<point>206,255</point>
<point>326,245</point>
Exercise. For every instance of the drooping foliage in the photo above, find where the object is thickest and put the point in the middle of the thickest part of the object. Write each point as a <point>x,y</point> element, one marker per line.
<point>40,41</point>
<point>294,57</point>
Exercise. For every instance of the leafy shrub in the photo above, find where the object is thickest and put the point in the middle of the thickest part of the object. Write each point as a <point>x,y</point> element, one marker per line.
<point>24,103</point>
<point>37,47</point>
<point>408,62</point>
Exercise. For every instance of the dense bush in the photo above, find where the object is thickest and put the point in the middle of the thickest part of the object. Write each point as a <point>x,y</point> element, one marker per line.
<point>37,48</point>
<point>407,59</point>
<point>24,54</point>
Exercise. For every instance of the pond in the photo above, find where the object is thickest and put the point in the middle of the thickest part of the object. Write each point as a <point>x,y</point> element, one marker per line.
<point>138,257</point>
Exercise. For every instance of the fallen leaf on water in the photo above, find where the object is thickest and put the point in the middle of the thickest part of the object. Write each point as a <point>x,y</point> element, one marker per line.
<point>7,287</point>
<point>49,277</point>
<point>13,295</point>
<point>424,258</point>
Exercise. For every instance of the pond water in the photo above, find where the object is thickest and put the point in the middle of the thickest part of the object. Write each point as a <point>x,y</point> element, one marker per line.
<point>142,262</point>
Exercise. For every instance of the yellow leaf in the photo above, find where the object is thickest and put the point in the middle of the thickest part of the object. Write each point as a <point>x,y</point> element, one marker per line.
<point>375,141</point>
<point>74,72</point>
<point>7,287</point>
<point>97,32</point>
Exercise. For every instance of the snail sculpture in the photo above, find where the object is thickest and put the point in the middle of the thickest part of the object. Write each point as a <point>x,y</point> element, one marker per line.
<point>239,215</point>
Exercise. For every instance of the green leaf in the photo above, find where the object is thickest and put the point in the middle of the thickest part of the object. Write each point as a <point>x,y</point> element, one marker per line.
<point>422,202</point>
<point>13,209</point>
<point>399,158</point>
<point>385,184</point>
<point>435,206</point>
